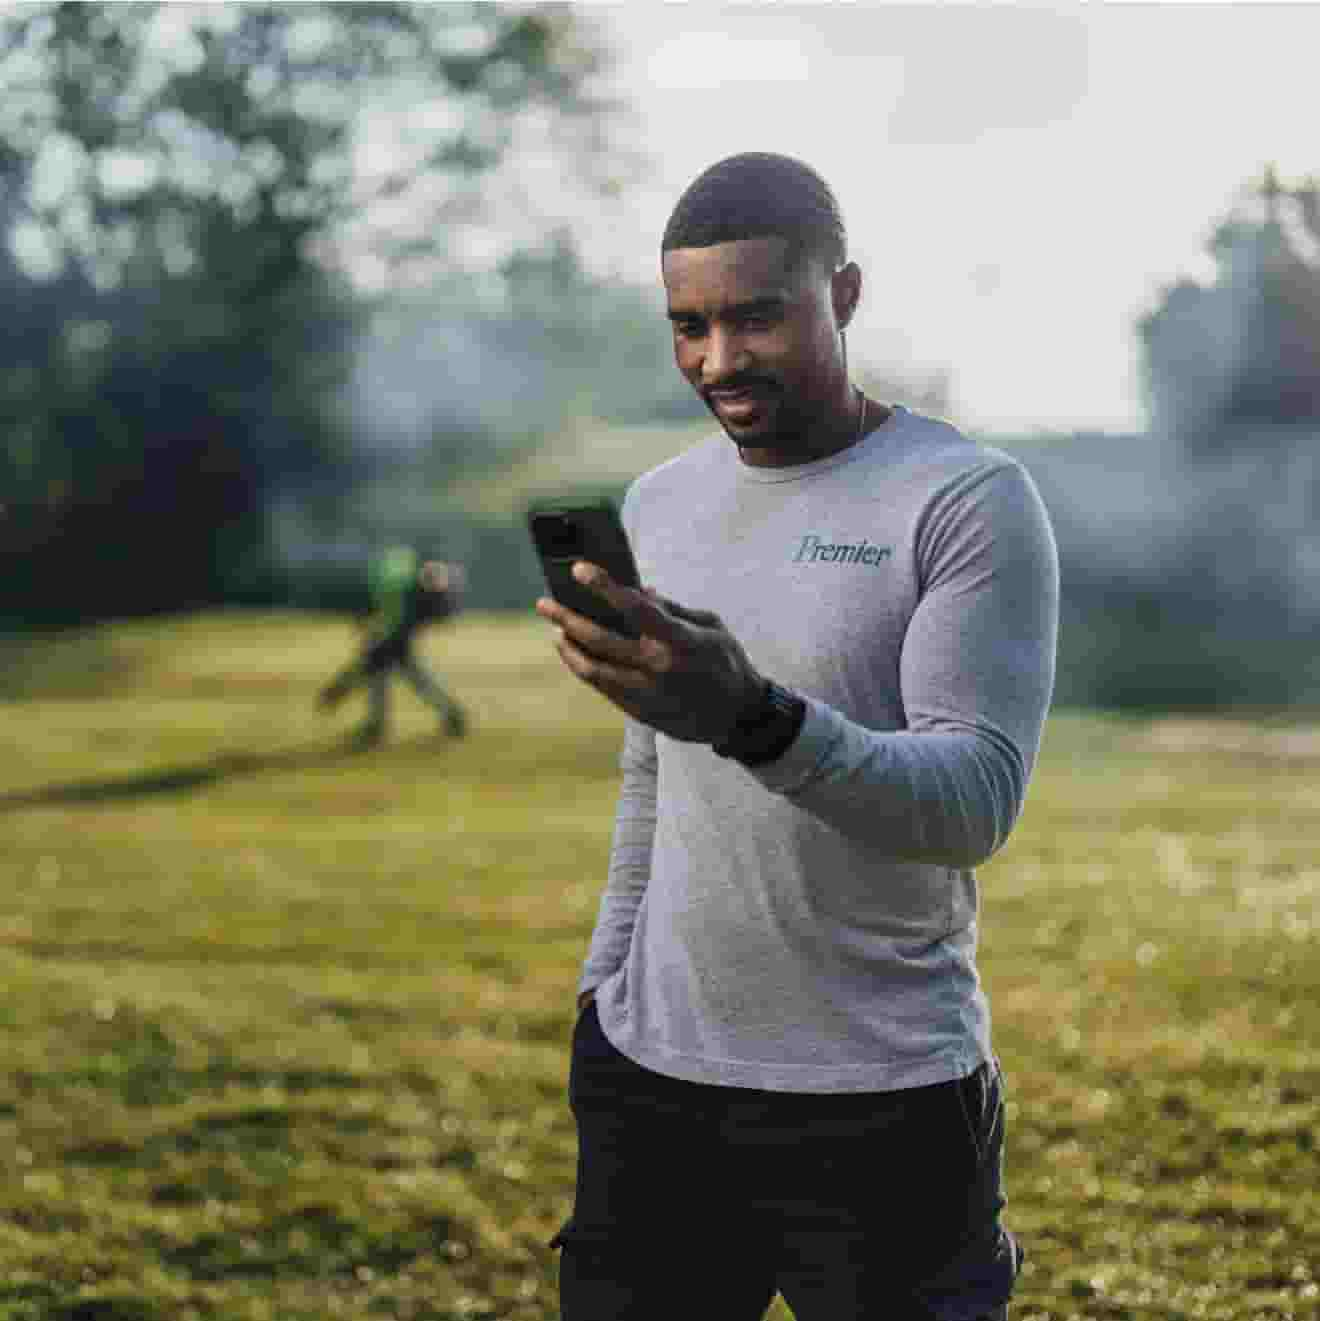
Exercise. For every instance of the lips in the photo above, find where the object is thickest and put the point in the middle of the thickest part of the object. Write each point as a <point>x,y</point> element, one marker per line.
<point>741,405</point>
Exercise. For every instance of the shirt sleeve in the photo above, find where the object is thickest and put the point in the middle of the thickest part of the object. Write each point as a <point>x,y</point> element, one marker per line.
<point>630,858</point>
<point>976,674</point>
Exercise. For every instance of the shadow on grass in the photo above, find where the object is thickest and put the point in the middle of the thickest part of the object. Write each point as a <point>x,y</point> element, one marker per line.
<point>315,1241</point>
<point>139,1063</point>
<point>62,1302</point>
<point>185,778</point>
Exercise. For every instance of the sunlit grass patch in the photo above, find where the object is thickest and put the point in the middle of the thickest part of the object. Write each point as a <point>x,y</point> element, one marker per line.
<point>285,1028</point>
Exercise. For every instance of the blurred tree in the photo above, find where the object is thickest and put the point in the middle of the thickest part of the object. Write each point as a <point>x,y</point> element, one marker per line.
<point>466,375</point>
<point>609,338</point>
<point>373,128</point>
<point>1225,359</point>
<point>189,194</point>
<point>1189,555</point>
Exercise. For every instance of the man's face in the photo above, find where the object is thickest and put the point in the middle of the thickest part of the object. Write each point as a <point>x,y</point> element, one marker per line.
<point>755,335</point>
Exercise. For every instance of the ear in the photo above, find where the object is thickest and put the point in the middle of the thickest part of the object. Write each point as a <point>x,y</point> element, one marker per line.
<point>846,292</point>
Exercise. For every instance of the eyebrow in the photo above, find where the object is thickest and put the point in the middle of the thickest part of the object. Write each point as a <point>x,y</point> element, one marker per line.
<point>756,306</point>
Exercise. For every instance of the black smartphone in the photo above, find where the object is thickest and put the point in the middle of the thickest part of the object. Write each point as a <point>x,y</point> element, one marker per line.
<point>566,533</point>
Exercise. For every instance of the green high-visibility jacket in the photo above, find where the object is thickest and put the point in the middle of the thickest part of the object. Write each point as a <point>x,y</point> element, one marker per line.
<point>392,579</point>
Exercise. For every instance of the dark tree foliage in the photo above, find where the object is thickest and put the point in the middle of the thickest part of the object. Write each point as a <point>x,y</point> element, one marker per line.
<point>1227,359</point>
<point>181,189</point>
<point>1189,553</point>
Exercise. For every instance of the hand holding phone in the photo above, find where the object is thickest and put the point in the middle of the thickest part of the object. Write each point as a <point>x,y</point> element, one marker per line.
<point>687,677</point>
<point>563,534</point>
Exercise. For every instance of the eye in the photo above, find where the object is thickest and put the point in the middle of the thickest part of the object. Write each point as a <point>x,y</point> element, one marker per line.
<point>759,319</point>
<point>689,329</point>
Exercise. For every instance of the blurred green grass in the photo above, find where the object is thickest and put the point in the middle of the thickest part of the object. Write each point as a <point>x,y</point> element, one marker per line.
<point>285,1032</point>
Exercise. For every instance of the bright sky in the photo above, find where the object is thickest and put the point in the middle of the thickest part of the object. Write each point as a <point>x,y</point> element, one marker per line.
<point>1018,181</point>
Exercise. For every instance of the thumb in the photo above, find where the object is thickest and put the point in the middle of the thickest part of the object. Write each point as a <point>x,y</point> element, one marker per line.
<point>701,618</point>
<point>659,618</point>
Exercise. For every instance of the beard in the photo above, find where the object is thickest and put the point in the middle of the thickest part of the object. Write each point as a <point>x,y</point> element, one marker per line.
<point>764,414</point>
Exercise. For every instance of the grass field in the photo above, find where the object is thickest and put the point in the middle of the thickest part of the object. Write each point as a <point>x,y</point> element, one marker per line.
<point>285,1026</point>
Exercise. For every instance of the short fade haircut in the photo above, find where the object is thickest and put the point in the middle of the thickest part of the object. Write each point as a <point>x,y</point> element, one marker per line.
<point>759,194</point>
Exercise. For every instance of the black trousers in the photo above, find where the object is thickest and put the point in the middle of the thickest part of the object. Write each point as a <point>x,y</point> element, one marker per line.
<point>395,653</point>
<point>705,1201</point>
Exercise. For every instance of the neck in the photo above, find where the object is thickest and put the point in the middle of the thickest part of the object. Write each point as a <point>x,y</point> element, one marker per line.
<point>845,429</point>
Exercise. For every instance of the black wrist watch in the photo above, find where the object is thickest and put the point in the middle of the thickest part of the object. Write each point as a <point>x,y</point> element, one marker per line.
<point>765,731</point>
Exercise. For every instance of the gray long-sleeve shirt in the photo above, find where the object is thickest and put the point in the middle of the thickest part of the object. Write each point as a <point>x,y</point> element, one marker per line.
<point>810,925</point>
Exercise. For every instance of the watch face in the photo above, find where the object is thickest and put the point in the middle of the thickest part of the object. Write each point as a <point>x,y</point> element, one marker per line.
<point>767,732</point>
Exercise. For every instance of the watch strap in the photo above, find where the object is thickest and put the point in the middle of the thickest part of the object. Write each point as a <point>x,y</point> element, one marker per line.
<point>765,732</point>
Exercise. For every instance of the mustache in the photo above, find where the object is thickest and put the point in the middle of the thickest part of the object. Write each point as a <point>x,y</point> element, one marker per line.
<point>740,383</point>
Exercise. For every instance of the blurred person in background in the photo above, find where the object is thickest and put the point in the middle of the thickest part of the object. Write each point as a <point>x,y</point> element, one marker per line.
<point>406,592</point>
<point>782,1072</point>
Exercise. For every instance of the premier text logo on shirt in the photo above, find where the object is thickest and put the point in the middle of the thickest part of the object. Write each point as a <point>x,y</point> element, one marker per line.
<point>815,549</point>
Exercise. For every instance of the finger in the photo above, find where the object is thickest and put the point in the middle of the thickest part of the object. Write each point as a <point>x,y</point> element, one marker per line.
<point>704,618</point>
<point>593,637</point>
<point>621,683</point>
<point>559,614</point>
<point>659,617</point>
<point>646,610</point>
<point>701,618</point>
<point>599,580</point>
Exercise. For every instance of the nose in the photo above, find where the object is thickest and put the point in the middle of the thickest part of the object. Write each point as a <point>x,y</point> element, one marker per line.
<point>726,356</point>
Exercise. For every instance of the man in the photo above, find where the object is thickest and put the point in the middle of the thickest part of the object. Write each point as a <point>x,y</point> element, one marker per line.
<point>405,593</point>
<point>782,1072</point>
